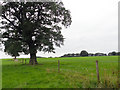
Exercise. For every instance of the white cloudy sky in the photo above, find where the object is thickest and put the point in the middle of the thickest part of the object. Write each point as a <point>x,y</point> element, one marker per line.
<point>94,28</point>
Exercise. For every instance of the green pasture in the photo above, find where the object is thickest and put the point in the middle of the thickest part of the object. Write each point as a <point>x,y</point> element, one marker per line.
<point>75,72</point>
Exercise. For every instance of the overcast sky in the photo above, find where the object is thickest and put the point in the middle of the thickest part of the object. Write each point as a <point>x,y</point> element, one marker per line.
<point>94,28</point>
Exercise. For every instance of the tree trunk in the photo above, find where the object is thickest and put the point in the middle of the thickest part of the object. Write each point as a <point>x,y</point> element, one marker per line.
<point>33,52</point>
<point>14,58</point>
<point>33,59</point>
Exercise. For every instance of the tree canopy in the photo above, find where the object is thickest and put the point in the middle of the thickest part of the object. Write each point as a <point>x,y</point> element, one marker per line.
<point>35,25</point>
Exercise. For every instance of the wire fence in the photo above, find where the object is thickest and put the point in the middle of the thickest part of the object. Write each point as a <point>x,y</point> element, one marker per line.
<point>77,65</point>
<point>107,69</point>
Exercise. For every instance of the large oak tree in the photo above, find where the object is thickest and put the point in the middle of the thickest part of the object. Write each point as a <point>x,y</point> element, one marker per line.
<point>36,25</point>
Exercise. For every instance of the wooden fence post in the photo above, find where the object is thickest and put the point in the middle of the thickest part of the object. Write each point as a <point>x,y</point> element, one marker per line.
<point>97,70</point>
<point>25,61</point>
<point>22,60</point>
<point>58,66</point>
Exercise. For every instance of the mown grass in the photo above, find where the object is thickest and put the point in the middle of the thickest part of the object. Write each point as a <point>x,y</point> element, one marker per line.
<point>75,72</point>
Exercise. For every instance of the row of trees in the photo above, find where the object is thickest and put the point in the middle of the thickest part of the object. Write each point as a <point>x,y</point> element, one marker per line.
<point>85,53</point>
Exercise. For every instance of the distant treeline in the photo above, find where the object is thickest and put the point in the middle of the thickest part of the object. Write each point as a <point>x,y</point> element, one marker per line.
<point>84,53</point>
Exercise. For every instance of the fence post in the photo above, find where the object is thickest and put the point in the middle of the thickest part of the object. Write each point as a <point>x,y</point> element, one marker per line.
<point>22,60</point>
<point>97,70</point>
<point>25,61</point>
<point>58,66</point>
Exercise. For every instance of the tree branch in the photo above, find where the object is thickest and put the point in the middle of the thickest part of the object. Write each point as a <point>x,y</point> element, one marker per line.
<point>9,21</point>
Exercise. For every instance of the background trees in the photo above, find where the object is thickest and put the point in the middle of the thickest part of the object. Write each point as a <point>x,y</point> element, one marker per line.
<point>84,53</point>
<point>118,53</point>
<point>35,25</point>
<point>113,53</point>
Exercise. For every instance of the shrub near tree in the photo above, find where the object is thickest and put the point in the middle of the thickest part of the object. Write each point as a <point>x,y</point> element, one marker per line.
<point>12,48</point>
<point>37,25</point>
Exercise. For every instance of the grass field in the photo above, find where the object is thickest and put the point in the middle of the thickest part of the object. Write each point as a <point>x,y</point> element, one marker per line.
<point>75,72</point>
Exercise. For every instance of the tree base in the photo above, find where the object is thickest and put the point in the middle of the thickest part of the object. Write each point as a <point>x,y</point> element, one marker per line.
<point>33,59</point>
<point>33,62</point>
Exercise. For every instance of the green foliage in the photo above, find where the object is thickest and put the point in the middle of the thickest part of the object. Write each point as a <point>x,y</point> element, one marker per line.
<point>37,25</point>
<point>13,48</point>
<point>75,72</point>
